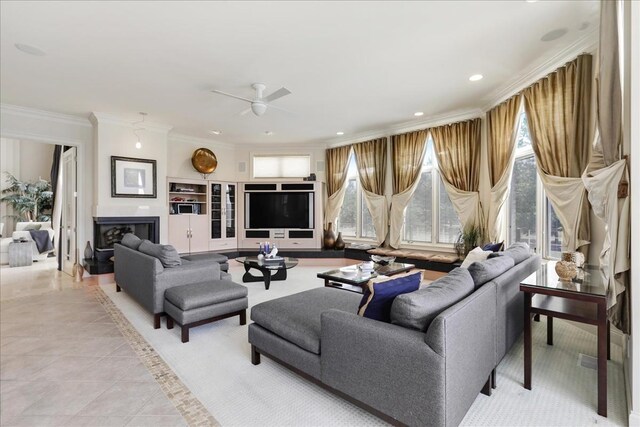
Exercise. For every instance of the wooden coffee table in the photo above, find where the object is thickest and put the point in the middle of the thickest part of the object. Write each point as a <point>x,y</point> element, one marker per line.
<point>355,282</point>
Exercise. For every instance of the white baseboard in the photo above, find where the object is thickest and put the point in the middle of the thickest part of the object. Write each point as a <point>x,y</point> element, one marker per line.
<point>634,419</point>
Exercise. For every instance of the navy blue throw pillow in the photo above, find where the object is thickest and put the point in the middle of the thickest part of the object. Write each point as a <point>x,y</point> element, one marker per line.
<point>493,247</point>
<point>379,295</point>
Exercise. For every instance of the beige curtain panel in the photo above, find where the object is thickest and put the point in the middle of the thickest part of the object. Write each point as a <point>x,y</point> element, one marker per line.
<point>408,151</point>
<point>502,131</point>
<point>336,164</point>
<point>371,159</point>
<point>457,149</point>
<point>609,105</point>
<point>607,170</point>
<point>558,108</point>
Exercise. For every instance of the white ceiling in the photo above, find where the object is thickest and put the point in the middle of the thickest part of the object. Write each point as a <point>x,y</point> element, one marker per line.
<point>352,66</point>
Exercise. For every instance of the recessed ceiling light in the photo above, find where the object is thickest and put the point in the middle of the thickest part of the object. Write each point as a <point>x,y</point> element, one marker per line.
<point>215,132</point>
<point>268,132</point>
<point>31,50</point>
<point>476,77</point>
<point>531,1</point>
<point>554,35</point>
<point>418,113</point>
<point>339,133</point>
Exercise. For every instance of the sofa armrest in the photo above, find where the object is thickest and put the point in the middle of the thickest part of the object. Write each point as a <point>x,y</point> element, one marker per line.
<point>187,273</point>
<point>371,361</point>
<point>135,272</point>
<point>465,335</point>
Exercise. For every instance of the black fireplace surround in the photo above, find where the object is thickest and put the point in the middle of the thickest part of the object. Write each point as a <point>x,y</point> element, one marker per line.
<point>109,230</point>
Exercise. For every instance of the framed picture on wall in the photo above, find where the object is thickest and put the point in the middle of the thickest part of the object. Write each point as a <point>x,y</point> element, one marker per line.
<point>133,177</point>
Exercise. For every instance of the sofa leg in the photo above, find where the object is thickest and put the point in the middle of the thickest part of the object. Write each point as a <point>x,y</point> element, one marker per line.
<point>118,288</point>
<point>243,317</point>
<point>156,321</point>
<point>255,356</point>
<point>169,322</point>
<point>494,381</point>
<point>486,390</point>
<point>185,333</point>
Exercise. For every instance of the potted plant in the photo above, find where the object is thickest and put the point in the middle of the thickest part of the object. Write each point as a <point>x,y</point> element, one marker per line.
<point>469,238</point>
<point>31,201</point>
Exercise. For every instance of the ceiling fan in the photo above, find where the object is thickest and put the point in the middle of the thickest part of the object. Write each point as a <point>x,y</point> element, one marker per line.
<point>260,103</point>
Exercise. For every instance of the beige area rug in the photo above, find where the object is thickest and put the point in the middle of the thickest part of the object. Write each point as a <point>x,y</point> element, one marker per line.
<point>215,365</point>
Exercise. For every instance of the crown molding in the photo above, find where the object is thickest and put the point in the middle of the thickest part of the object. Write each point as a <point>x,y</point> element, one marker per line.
<point>182,138</point>
<point>97,118</point>
<point>44,115</point>
<point>430,122</point>
<point>587,43</point>
<point>38,137</point>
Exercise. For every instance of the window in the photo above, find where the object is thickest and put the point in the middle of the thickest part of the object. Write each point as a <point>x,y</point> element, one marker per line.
<point>355,220</point>
<point>531,219</point>
<point>420,215</point>
<point>281,166</point>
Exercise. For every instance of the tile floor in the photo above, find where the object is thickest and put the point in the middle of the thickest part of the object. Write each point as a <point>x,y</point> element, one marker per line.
<point>63,361</point>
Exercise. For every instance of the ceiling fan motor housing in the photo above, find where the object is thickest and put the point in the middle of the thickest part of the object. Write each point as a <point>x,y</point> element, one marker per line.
<point>258,108</point>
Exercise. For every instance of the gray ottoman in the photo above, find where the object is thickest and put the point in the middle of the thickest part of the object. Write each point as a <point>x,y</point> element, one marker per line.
<point>199,303</point>
<point>223,260</point>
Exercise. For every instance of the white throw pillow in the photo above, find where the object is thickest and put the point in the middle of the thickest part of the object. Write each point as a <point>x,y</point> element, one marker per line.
<point>476,254</point>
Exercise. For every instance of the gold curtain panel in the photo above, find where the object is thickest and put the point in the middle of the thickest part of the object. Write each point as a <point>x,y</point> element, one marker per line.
<point>371,158</point>
<point>407,152</point>
<point>458,151</point>
<point>501,129</point>
<point>336,163</point>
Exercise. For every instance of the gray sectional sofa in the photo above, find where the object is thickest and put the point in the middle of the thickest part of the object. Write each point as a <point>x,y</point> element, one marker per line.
<point>427,366</point>
<point>145,270</point>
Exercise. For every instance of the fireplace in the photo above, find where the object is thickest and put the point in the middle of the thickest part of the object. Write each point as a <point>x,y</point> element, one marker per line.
<point>108,231</point>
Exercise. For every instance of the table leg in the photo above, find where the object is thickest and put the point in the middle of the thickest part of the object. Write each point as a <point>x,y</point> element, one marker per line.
<point>602,358</point>
<point>549,330</point>
<point>608,340</point>
<point>267,278</point>
<point>527,340</point>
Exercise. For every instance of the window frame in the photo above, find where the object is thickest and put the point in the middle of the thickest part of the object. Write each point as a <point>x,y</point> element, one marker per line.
<point>360,205</point>
<point>542,204</point>
<point>436,177</point>
<point>278,156</point>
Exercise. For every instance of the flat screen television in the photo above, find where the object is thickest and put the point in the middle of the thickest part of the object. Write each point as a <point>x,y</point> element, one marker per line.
<point>279,210</point>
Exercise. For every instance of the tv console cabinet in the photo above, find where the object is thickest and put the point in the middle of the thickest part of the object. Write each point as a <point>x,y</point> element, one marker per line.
<point>202,215</point>
<point>283,237</point>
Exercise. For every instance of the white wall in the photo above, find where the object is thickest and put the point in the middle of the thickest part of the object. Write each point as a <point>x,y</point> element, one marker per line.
<point>9,162</point>
<point>180,150</point>
<point>35,160</point>
<point>114,137</point>
<point>632,145</point>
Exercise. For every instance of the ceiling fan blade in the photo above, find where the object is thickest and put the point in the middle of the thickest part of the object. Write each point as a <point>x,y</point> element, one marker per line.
<point>245,112</point>
<point>283,91</point>
<point>231,96</point>
<point>281,109</point>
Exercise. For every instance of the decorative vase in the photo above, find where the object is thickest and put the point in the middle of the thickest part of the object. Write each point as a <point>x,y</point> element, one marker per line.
<point>566,270</point>
<point>329,237</point>
<point>575,257</point>
<point>88,251</point>
<point>339,245</point>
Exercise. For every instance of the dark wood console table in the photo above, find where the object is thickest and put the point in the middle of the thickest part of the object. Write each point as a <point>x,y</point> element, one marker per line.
<point>581,300</point>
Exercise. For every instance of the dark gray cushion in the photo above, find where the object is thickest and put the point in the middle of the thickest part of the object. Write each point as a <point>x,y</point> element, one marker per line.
<point>207,257</point>
<point>519,251</point>
<point>296,318</point>
<point>417,309</point>
<point>131,241</point>
<point>167,254</point>
<point>483,271</point>
<point>203,294</point>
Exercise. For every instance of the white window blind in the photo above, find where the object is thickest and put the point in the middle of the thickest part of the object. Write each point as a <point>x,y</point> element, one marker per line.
<point>281,166</point>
